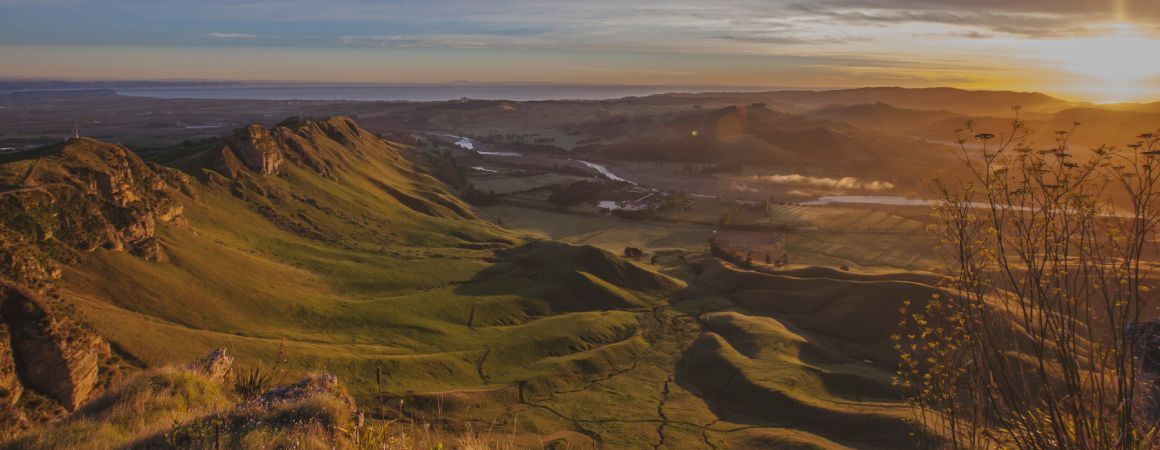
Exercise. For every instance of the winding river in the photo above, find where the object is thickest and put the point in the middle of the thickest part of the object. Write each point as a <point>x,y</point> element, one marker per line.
<point>468,144</point>
<point>885,200</point>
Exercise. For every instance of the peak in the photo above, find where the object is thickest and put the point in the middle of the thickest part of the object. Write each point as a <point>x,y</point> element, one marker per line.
<point>296,139</point>
<point>298,123</point>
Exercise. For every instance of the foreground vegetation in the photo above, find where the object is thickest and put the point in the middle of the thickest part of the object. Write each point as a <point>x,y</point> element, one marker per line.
<point>1045,337</point>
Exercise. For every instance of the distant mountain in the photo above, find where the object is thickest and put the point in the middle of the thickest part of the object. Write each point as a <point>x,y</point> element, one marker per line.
<point>886,118</point>
<point>14,85</point>
<point>1153,107</point>
<point>1098,126</point>
<point>956,100</point>
<point>757,135</point>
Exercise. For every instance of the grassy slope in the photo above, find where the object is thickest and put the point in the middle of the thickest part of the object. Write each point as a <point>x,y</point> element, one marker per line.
<point>395,289</point>
<point>552,340</point>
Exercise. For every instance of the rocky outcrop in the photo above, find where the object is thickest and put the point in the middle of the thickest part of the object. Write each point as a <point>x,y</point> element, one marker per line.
<point>257,149</point>
<point>11,417</point>
<point>314,385</point>
<point>299,141</point>
<point>82,196</point>
<point>85,196</point>
<point>52,355</point>
<point>216,366</point>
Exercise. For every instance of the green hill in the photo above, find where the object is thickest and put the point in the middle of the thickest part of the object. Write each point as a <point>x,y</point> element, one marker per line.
<point>317,246</point>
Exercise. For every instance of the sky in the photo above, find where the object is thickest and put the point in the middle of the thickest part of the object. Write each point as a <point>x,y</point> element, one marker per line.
<point>1096,50</point>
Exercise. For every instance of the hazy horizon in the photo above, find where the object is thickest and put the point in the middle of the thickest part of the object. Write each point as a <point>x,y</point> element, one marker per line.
<point>1059,48</point>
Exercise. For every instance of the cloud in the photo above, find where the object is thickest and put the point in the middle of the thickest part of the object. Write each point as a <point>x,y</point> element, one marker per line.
<point>1024,18</point>
<point>812,43</point>
<point>453,41</point>
<point>232,36</point>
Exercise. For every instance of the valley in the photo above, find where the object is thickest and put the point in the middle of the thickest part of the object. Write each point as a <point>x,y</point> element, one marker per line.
<point>701,271</point>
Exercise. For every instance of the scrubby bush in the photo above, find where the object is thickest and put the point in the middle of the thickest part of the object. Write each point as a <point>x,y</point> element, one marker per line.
<point>1032,342</point>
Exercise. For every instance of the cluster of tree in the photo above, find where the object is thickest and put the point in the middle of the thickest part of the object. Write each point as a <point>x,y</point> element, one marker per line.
<point>731,169</point>
<point>570,170</point>
<point>730,217</point>
<point>575,193</point>
<point>477,197</point>
<point>744,262</point>
<point>511,136</point>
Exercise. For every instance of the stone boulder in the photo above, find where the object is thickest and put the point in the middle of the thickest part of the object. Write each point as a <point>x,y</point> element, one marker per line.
<point>216,366</point>
<point>314,385</point>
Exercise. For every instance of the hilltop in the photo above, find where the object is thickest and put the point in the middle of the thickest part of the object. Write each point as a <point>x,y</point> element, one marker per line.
<point>315,237</point>
<point>317,245</point>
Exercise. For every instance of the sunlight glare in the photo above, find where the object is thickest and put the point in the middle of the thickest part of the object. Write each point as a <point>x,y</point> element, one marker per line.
<point>1116,65</point>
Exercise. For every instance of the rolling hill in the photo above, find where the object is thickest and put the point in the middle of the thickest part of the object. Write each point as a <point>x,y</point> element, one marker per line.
<point>315,245</point>
<point>756,135</point>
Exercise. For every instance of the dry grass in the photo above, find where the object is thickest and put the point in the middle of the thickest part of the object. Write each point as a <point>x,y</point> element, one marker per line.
<point>178,408</point>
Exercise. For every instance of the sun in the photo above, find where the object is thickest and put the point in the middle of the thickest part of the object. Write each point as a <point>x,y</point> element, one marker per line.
<point>1118,63</point>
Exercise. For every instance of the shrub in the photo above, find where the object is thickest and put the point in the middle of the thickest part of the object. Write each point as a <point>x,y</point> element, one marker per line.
<point>252,382</point>
<point>1030,343</point>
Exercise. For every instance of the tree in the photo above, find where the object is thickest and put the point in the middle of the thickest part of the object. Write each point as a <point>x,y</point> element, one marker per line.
<point>1031,342</point>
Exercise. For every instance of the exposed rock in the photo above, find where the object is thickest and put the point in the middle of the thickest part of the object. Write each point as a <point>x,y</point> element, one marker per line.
<point>27,264</point>
<point>302,151</point>
<point>175,179</point>
<point>11,417</point>
<point>150,250</point>
<point>313,385</point>
<point>53,355</point>
<point>216,366</point>
<point>257,149</point>
<point>227,163</point>
<point>87,195</point>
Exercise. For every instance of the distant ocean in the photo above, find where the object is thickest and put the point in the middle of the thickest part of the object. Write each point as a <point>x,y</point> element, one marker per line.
<point>416,93</point>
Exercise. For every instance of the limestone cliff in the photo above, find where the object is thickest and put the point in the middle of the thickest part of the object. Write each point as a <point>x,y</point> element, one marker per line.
<point>82,196</point>
<point>256,148</point>
<point>11,417</point>
<point>52,355</point>
<point>74,198</point>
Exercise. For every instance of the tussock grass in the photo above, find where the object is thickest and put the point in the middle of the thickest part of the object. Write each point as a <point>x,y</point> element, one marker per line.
<point>147,405</point>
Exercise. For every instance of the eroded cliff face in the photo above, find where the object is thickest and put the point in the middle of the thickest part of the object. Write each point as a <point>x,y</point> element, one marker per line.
<point>11,417</point>
<point>256,148</point>
<point>50,354</point>
<point>85,196</point>
<point>45,353</point>
<point>298,141</point>
<point>79,197</point>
